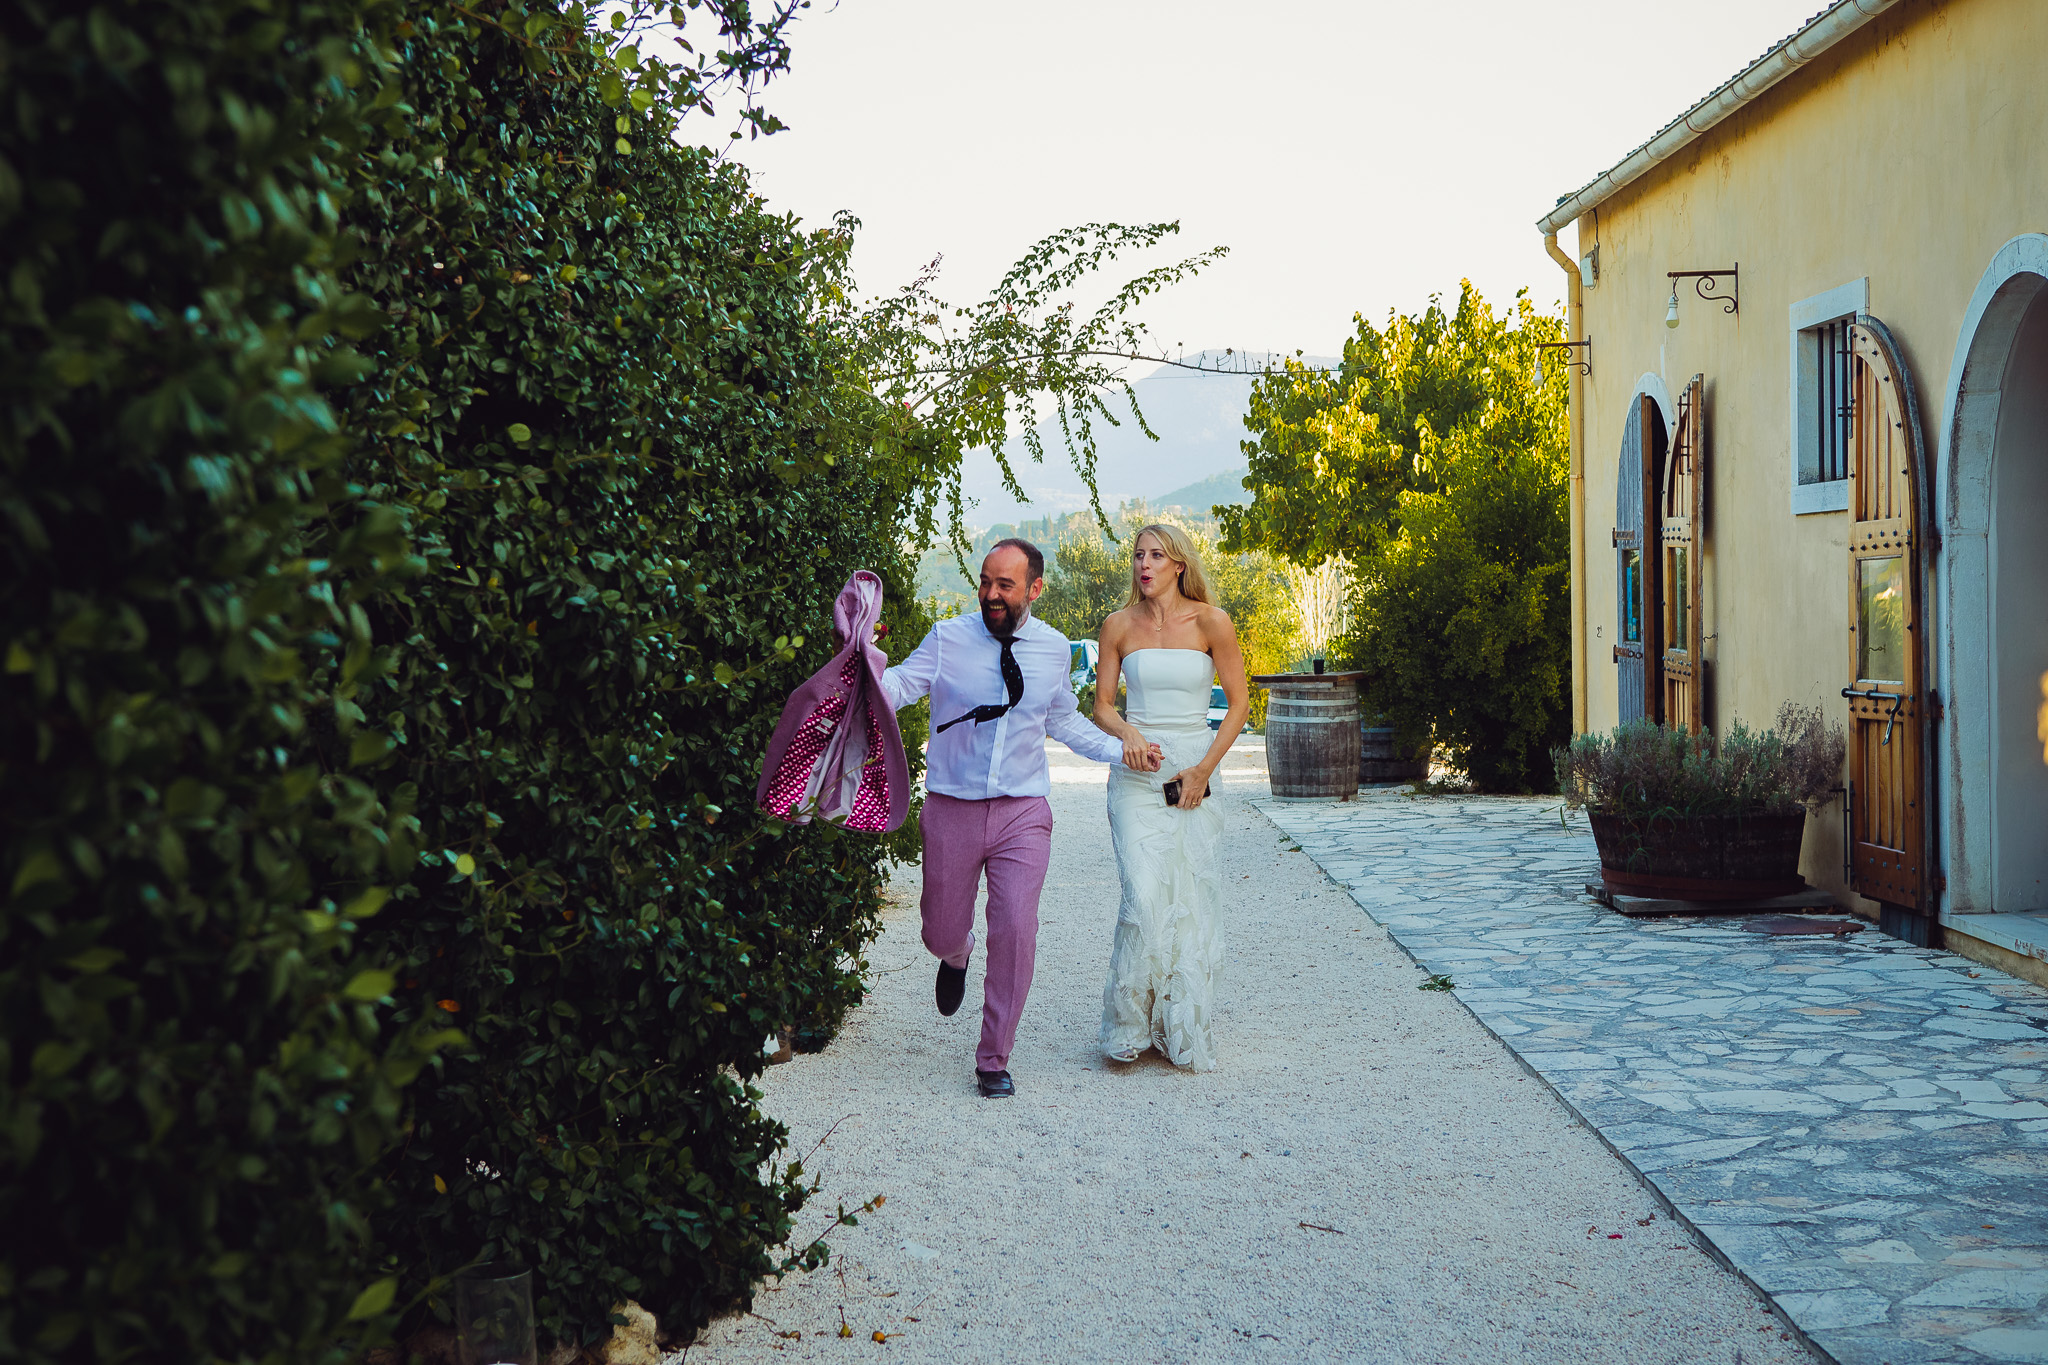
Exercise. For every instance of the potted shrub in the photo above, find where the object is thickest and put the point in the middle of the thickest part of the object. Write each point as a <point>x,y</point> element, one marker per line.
<point>1692,818</point>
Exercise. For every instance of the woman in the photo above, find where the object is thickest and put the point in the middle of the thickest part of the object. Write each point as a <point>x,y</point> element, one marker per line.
<point>1166,644</point>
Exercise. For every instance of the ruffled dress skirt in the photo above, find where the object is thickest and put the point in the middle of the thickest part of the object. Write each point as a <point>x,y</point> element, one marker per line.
<point>1168,949</point>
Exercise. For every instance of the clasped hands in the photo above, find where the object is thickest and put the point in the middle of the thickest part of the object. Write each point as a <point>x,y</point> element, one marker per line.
<point>1142,756</point>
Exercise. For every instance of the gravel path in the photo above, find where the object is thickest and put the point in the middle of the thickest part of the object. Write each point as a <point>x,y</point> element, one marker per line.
<point>1368,1176</point>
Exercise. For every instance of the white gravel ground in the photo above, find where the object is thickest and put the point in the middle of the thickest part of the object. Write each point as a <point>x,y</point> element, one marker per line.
<point>1144,1215</point>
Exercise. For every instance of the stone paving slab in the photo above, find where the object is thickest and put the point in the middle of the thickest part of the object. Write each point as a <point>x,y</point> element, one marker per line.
<point>1652,905</point>
<point>1858,1126</point>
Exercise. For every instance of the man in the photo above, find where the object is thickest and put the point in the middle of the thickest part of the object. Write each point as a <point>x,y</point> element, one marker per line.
<point>998,683</point>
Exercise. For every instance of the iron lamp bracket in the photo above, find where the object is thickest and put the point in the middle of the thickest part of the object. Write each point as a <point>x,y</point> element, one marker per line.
<point>1706,283</point>
<point>1583,366</point>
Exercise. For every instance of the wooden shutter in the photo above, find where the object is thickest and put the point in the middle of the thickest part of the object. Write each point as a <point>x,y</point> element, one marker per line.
<point>1636,502</point>
<point>1890,809</point>
<point>1680,500</point>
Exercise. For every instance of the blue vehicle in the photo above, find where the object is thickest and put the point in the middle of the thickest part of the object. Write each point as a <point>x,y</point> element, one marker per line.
<point>1219,706</point>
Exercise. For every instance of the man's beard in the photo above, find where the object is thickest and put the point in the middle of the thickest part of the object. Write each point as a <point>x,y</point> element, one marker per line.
<point>1000,620</point>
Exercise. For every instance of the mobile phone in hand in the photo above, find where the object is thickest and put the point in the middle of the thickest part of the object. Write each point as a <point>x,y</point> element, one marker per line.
<point>1172,792</point>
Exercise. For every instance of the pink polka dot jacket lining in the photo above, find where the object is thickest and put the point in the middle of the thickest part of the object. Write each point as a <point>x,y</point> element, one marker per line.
<point>837,754</point>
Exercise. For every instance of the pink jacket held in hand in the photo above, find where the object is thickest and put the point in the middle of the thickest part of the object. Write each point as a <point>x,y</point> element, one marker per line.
<point>837,753</point>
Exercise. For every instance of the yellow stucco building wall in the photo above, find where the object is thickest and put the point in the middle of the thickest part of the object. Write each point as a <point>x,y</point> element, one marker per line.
<point>1907,155</point>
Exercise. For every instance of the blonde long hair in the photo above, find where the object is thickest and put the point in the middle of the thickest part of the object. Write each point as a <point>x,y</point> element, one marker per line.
<point>1180,548</point>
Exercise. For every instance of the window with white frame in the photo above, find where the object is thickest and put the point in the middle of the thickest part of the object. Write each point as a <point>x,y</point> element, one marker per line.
<point>1830,417</point>
<point>1820,397</point>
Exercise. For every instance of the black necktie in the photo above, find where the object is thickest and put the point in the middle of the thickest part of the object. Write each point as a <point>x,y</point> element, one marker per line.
<point>1013,680</point>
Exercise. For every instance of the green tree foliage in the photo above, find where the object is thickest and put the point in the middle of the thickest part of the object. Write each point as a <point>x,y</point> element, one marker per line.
<point>194,1072</point>
<point>1086,578</point>
<point>1439,467</point>
<point>951,379</point>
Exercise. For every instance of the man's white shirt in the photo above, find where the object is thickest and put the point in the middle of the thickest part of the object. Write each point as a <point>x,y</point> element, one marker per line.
<point>959,665</point>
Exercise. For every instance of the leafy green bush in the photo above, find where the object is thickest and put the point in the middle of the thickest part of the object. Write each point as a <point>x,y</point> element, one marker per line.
<point>193,1072</point>
<point>1642,769</point>
<point>604,414</point>
<point>1461,621</point>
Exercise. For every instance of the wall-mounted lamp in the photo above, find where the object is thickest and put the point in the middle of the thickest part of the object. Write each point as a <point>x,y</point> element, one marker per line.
<point>1582,366</point>
<point>1705,283</point>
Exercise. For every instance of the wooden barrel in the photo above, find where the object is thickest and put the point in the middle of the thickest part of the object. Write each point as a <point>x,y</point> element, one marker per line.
<point>1380,758</point>
<point>1312,734</point>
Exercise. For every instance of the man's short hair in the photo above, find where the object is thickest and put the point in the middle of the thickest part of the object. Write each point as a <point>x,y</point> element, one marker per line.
<point>1034,558</point>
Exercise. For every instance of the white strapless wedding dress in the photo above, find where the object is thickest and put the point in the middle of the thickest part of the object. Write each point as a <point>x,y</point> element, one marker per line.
<point>1169,927</point>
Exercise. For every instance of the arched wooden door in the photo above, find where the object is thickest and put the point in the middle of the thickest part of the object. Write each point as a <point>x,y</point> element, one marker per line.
<point>1681,505</point>
<point>1890,805</point>
<point>1638,605</point>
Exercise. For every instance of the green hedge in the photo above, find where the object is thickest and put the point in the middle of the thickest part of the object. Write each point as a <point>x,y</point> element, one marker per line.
<point>497,626</point>
<point>193,1069</point>
<point>601,410</point>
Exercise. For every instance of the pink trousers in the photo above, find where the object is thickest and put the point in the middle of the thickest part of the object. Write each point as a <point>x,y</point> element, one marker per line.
<point>1011,838</point>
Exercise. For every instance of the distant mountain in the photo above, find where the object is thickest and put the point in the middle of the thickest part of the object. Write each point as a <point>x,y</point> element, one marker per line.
<point>1226,488</point>
<point>1199,419</point>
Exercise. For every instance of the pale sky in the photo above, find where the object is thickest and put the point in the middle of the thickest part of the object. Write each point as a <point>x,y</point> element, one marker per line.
<point>1354,156</point>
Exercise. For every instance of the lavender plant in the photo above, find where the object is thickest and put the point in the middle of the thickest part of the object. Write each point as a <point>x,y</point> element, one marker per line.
<point>1641,769</point>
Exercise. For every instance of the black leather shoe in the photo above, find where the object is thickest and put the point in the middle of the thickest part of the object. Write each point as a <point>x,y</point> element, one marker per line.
<point>950,988</point>
<point>995,1085</point>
